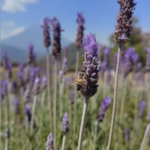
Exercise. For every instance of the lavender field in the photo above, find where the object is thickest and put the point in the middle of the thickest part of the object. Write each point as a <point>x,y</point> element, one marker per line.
<point>84,95</point>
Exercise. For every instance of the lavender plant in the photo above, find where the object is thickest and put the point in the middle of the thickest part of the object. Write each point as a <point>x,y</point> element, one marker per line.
<point>50,142</point>
<point>89,85</point>
<point>65,128</point>
<point>122,36</point>
<point>100,117</point>
<point>56,48</point>
<point>47,43</point>
<point>80,33</point>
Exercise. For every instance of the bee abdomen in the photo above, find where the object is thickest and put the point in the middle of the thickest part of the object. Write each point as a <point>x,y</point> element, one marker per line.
<point>78,87</point>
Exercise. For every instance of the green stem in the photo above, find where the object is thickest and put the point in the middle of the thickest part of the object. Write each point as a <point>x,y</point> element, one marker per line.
<point>43,98</point>
<point>33,111</point>
<point>115,99</point>
<point>135,133</point>
<point>61,95</point>
<point>63,144</point>
<point>6,115</point>
<point>48,85</point>
<point>86,100</point>
<point>75,95</point>
<point>6,144</point>
<point>55,99</point>
<point>95,135</point>
<point>146,138</point>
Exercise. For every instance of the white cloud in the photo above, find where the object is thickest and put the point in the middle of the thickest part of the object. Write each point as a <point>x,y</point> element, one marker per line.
<point>12,33</point>
<point>16,5</point>
<point>17,31</point>
<point>9,23</point>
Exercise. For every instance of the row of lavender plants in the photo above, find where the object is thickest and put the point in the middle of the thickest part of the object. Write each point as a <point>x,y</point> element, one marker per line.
<point>40,104</point>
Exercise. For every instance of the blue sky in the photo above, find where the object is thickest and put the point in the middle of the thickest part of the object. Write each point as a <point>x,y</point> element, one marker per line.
<point>100,16</point>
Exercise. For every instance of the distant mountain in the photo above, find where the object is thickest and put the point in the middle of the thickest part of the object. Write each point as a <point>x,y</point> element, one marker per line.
<point>71,57</point>
<point>17,45</point>
<point>15,54</point>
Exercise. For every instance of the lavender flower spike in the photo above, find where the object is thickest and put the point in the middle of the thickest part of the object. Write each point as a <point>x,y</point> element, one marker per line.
<point>90,66</point>
<point>104,106</point>
<point>142,108</point>
<point>56,48</point>
<point>31,55</point>
<point>46,34</point>
<point>28,113</point>
<point>124,21</point>
<point>7,134</point>
<point>43,83</point>
<point>65,124</point>
<point>106,56</point>
<point>5,61</point>
<point>16,103</point>
<point>127,136</point>
<point>50,142</point>
<point>36,86</point>
<point>80,34</point>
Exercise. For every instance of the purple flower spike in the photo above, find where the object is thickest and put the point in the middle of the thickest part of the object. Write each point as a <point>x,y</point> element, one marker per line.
<point>127,136</point>
<point>80,19</point>
<point>65,124</point>
<point>28,113</point>
<point>5,60</point>
<point>46,33</point>
<point>31,55</point>
<point>124,21</point>
<point>9,71</point>
<point>50,142</point>
<point>27,95</point>
<point>135,58</point>
<point>72,96</point>
<point>147,66</point>
<point>4,85</point>
<point>21,67</point>
<point>16,104</point>
<point>102,69</point>
<point>7,134</point>
<point>21,79</point>
<point>106,56</point>
<point>67,81</point>
<point>104,106</point>
<point>27,74</point>
<point>80,30</point>
<point>2,94</point>
<point>128,66</point>
<point>142,108</point>
<point>36,86</point>
<point>43,83</point>
<point>89,44</point>
<point>90,66</point>
<point>13,87</point>
<point>56,47</point>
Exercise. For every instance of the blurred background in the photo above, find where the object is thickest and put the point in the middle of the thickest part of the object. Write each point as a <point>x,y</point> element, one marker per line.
<point>21,20</point>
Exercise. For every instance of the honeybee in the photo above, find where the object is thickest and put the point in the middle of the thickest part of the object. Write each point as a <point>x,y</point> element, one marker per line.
<point>81,76</point>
